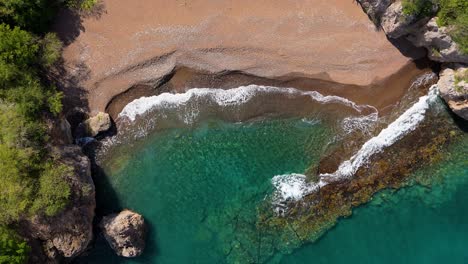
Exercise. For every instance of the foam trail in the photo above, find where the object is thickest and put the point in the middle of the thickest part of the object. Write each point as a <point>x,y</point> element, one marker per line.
<point>294,186</point>
<point>229,97</point>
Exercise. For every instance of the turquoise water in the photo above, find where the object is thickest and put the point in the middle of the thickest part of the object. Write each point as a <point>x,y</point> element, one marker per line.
<point>199,190</point>
<point>413,225</point>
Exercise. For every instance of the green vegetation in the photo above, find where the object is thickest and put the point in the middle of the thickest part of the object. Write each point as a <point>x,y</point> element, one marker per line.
<point>33,181</point>
<point>13,249</point>
<point>451,13</point>
<point>454,14</point>
<point>418,8</point>
<point>85,5</point>
<point>461,77</point>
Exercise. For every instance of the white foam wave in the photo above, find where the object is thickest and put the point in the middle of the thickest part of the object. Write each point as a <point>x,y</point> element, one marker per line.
<point>221,97</point>
<point>361,123</point>
<point>404,124</point>
<point>294,186</point>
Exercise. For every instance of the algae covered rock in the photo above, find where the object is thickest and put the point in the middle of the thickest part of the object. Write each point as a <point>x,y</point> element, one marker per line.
<point>125,232</point>
<point>453,87</point>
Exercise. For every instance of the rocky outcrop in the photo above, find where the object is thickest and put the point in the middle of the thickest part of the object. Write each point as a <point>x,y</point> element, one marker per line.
<point>395,24</point>
<point>125,232</point>
<point>375,8</point>
<point>438,42</point>
<point>69,233</point>
<point>421,31</point>
<point>424,32</point>
<point>453,87</point>
<point>94,125</point>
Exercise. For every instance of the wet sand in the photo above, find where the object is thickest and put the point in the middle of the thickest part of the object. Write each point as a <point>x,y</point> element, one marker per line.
<point>310,44</point>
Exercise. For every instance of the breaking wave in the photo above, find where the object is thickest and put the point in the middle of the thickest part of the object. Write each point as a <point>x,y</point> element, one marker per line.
<point>294,186</point>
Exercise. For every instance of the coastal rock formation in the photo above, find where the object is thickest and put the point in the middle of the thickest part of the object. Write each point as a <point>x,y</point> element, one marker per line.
<point>94,125</point>
<point>438,42</point>
<point>375,8</point>
<point>395,24</point>
<point>145,43</point>
<point>125,232</point>
<point>453,87</point>
<point>421,31</point>
<point>69,233</point>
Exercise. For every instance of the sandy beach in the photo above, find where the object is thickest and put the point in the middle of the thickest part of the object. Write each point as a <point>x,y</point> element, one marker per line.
<point>146,42</point>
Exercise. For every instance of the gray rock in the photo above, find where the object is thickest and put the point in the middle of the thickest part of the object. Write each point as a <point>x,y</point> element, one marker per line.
<point>396,24</point>
<point>453,87</point>
<point>438,42</point>
<point>94,125</point>
<point>70,232</point>
<point>125,232</point>
<point>375,8</point>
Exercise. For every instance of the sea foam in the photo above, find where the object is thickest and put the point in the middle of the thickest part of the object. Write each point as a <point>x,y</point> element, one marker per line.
<point>229,97</point>
<point>294,186</point>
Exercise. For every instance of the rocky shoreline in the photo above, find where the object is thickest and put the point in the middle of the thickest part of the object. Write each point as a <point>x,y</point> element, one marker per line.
<point>69,234</point>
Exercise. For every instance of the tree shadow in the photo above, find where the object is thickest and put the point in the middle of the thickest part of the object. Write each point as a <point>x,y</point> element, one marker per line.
<point>69,22</point>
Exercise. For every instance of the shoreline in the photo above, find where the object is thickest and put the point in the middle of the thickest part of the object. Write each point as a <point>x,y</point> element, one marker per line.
<point>381,95</point>
<point>124,45</point>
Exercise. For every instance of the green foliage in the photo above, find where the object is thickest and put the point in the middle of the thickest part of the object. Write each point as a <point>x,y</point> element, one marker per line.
<point>85,5</point>
<point>54,191</point>
<point>22,58</point>
<point>32,182</point>
<point>51,48</point>
<point>17,46</point>
<point>454,14</point>
<point>418,8</point>
<point>461,76</point>
<point>13,249</point>
<point>32,15</point>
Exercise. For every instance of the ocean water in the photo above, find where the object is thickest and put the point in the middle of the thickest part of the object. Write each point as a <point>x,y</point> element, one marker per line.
<point>200,188</point>
<point>417,224</point>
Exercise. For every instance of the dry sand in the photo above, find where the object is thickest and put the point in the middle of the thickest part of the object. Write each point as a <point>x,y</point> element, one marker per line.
<point>141,42</point>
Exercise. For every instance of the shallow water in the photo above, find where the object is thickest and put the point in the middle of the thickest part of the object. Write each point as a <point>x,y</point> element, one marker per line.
<point>413,225</point>
<point>200,189</point>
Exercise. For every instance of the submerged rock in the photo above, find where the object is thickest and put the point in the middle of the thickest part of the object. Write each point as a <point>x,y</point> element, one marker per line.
<point>453,87</point>
<point>69,233</point>
<point>94,125</point>
<point>125,232</point>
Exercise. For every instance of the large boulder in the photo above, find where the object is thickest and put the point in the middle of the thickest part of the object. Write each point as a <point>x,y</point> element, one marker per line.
<point>125,232</point>
<point>94,125</point>
<point>69,233</point>
<point>453,87</point>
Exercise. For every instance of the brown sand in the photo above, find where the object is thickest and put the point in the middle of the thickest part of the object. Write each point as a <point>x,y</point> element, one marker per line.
<point>141,42</point>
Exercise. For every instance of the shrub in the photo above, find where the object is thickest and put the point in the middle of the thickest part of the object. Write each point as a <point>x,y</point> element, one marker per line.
<point>13,249</point>
<point>85,5</point>
<point>32,15</point>
<point>418,8</point>
<point>454,15</point>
